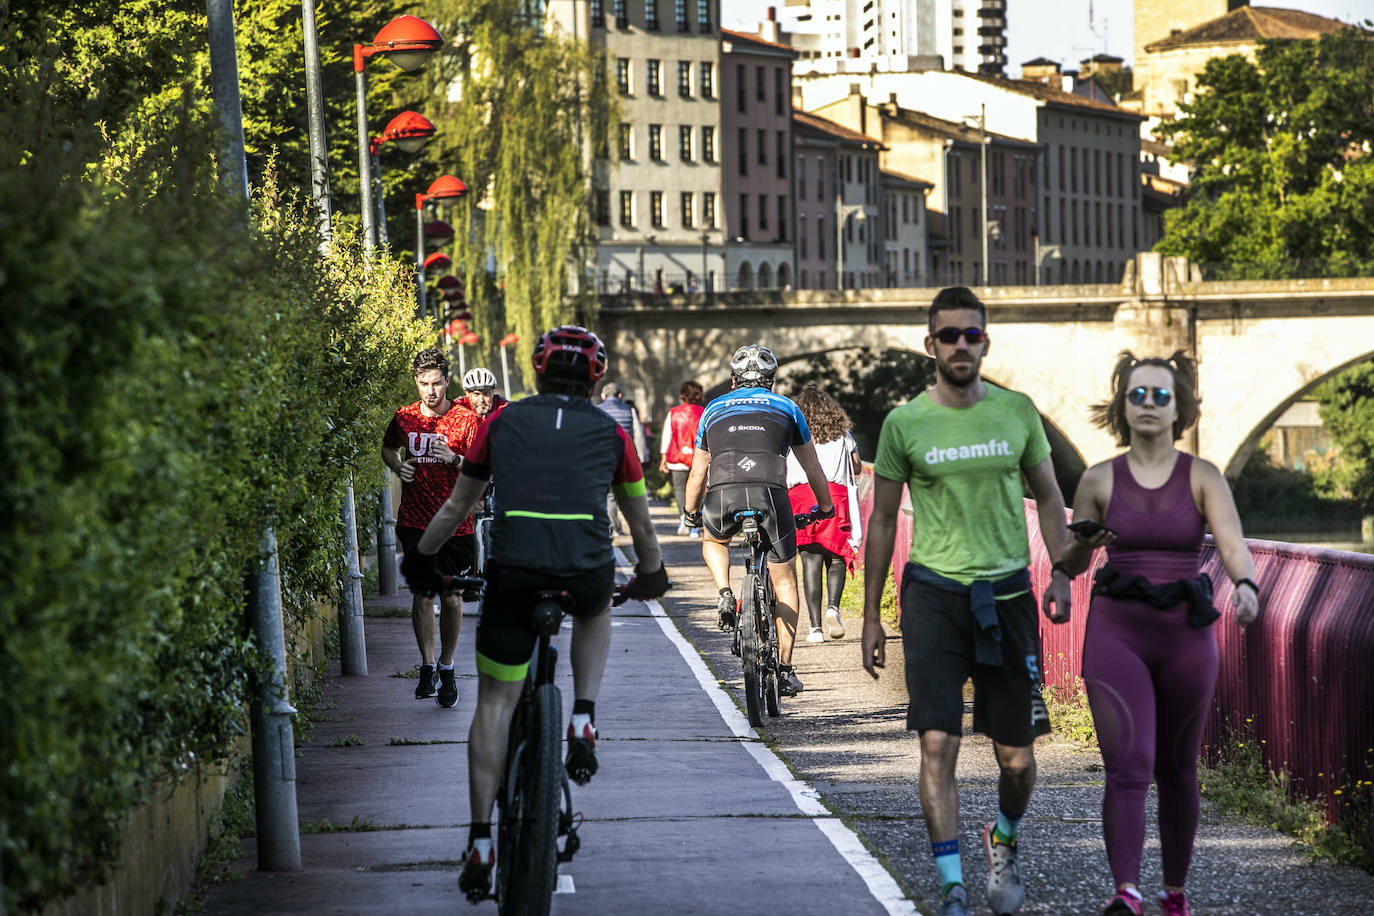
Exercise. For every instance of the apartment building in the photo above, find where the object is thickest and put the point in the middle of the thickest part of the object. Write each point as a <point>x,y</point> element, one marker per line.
<point>905,228</point>
<point>836,36</point>
<point>756,143</point>
<point>1088,177</point>
<point>657,199</point>
<point>838,190</point>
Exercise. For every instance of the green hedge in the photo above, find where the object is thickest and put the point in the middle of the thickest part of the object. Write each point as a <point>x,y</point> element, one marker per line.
<point>175,378</point>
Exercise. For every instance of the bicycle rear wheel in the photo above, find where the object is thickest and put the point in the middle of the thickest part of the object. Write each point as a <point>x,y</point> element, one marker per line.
<point>769,650</point>
<point>528,873</point>
<point>749,650</point>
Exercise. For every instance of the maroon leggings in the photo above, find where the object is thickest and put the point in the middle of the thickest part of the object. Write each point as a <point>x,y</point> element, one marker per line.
<point>1149,678</point>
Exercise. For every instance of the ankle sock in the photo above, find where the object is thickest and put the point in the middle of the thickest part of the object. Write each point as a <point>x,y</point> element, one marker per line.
<point>442,667</point>
<point>947,863</point>
<point>478,832</point>
<point>1007,826</point>
<point>579,722</point>
<point>585,707</point>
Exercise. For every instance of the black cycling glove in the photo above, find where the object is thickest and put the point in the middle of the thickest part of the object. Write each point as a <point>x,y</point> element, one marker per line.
<point>693,519</point>
<point>644,586</point>
<point>421,573</point>
<point>817,514</point>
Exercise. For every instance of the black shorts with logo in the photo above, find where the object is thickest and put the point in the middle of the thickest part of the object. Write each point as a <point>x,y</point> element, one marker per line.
<point>455,558</point>
<point>938,631</point>
<point>505,633</point>
<point>719,508</point>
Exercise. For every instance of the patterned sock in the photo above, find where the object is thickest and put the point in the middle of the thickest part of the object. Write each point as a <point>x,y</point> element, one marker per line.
<point>1005,831</point>
<point>947,863</point>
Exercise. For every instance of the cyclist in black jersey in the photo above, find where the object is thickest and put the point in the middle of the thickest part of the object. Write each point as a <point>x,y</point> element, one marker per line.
<point>741,460</point>
<point>550,532</point>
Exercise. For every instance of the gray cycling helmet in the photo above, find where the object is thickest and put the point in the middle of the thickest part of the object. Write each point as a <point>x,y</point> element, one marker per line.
<point>755,364</point>
<point>479,377</point>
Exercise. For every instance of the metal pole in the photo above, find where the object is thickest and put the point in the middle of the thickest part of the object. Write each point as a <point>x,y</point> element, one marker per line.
<point>420,252</point>
<point>983,149</point>
<point>462,360</point>
<point>274,743</point>
<point>380,198</point>
<point>364,154</point>
<point>314,97</point>
<point>839,238</point>
<point>505,372</point>
<point>352,644</point>
<point>704,240</point>
<point>274,740</point>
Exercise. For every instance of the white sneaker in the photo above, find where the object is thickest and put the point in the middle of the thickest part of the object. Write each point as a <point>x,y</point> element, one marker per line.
<point>1005,891</point>
<point>815,635</point>
<point>834,627</point>
<point>694,534</point>
<point>682,529</point>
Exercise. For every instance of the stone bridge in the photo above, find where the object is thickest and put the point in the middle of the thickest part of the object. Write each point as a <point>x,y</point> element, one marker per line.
<point>1260,345</point>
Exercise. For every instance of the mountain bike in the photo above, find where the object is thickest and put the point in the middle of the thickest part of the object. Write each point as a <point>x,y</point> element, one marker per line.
<point>534,801</point>
<point>756,637</point>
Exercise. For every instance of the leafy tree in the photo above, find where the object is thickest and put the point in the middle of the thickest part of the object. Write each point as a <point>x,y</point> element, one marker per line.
<point>1347,411</point>
<point>1115,82</point>
<point>1285,182</point>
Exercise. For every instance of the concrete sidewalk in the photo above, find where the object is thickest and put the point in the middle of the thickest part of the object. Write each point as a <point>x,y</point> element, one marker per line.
<point>686,816</point>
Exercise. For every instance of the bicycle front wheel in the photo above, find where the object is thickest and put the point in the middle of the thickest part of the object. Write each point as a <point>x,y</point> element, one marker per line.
<point>531,869</point>
<point>771,691</point>
<point>750,650</point>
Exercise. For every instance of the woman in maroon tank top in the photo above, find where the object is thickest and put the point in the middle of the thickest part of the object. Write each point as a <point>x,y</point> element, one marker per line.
<point>1149,656</point>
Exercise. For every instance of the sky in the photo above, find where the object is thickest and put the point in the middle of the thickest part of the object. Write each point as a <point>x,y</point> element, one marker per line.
<point>1065,35</point>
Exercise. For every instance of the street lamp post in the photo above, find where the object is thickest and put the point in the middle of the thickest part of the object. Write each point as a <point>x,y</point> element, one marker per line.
<point>982,121</point>
<point>705,241</point>
<point>842,213</point>
<point>445,187</point>
<point>505,368</point>
<point>409,131</point>
<point>408,41</point>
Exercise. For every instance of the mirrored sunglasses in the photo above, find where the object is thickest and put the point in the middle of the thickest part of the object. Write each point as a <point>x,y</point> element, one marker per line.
<point>1161,396</point>
<point>951,335</point>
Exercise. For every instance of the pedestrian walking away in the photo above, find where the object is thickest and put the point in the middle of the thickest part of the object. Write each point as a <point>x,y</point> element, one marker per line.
<point>961,448</point>
<point>827,547</point>
<point>678,443</point>
<point>550,533</point>
<point>744,436</point>
<point>1149,652</point>
<point>422,445</point>
<point>627,418</point>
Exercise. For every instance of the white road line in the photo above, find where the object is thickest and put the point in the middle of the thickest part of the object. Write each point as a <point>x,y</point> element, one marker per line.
<point>880,884</point>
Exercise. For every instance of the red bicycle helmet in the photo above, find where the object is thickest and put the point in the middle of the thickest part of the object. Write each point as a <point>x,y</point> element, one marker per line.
<point>570,352</point>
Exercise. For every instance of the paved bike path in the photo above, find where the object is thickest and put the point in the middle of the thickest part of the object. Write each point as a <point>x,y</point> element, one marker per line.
<point>690,812</point>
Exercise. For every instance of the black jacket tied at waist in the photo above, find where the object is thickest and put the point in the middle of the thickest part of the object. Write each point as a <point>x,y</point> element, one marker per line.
<point>1196,592</point>
<point>983,595</point>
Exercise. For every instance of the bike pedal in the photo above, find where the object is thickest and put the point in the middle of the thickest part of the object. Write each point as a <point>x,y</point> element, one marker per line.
<point>570,846</point>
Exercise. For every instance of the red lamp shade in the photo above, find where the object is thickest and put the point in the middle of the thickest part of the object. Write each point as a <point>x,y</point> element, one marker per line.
<point>446,186</point>
<point>408,41</point>
<point>438,232</point>
<point>409,130</point>
<point>438,261</point>
<point>454,295</point>
<point>464,316</point>
<point>469,338</point>
<point>448,282</point>
<point>509,339</point>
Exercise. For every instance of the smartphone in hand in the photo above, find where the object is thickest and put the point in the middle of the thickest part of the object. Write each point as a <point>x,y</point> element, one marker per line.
<point>1088,529</point>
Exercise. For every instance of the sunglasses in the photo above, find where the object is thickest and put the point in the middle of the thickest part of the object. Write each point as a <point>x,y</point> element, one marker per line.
<point>951,335</point>
<point>1161,396</point>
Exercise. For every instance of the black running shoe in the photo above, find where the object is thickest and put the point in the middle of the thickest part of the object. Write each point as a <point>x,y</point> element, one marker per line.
<point>475,879</point>
<point>448,688</point>
<point>788,684</point>
<point>725,610</point>
<point>581,762</point>
<point>428,682</point>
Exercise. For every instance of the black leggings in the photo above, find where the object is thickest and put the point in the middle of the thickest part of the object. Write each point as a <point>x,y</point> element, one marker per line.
<point>816,560</point>
<point>679,488</point>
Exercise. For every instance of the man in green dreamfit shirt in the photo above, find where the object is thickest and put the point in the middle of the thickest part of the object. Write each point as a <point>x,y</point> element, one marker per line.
<point>961,449</point>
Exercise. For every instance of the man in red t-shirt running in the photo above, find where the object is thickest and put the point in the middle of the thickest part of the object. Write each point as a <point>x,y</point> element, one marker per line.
<point>423,445</point>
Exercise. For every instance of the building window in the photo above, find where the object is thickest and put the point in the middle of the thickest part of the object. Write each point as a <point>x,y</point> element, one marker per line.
<point>782,154</point>
<point>680,14</point>
<point>744,216</point>
<point>684,143</point>
<point>603,207</point>
<point>801,178</point>
<point>688,220</point>
<point>708,144</point>
<point>820,241</point>
<point>779,91</point>
<point>760,92</point>
<point>656,208</point>
<point>651,15</point>
<point>703,16</point>
<point>656,142</point>
<point>627,208</point>
<point>820,178</point>
<point>598,14</point>
<point>801,236</point>
<point>708,210</point>
<point>684,79</point>
<point>782,217</point>
<point>622,19</point>
<point>763,147</point>
<point>744,151</point>
<point>622,75</point>
<point>708,79</point>
<point>654,69</point>
<point>740,103</point>
<point>763,212</point>
<point>627,141</point>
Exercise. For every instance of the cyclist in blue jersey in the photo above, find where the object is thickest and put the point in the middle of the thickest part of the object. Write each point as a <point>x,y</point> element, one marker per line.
<point>741,461</point>
<point>549,532</point>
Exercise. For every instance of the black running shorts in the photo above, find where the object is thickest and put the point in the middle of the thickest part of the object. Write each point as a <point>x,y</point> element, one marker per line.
<point>937,643</point>
<point>505,634</point>
<point>718,515</point>
<point>455,558</point>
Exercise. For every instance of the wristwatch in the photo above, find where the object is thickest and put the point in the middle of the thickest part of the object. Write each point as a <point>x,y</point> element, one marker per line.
<point>1060,567</point>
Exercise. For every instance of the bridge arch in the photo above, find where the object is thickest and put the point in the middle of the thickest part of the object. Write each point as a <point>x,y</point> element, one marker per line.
<point>765,276</point>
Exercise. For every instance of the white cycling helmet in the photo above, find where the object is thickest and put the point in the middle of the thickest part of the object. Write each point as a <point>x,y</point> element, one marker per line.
<point>754,363</point>
<point>478,377</point>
